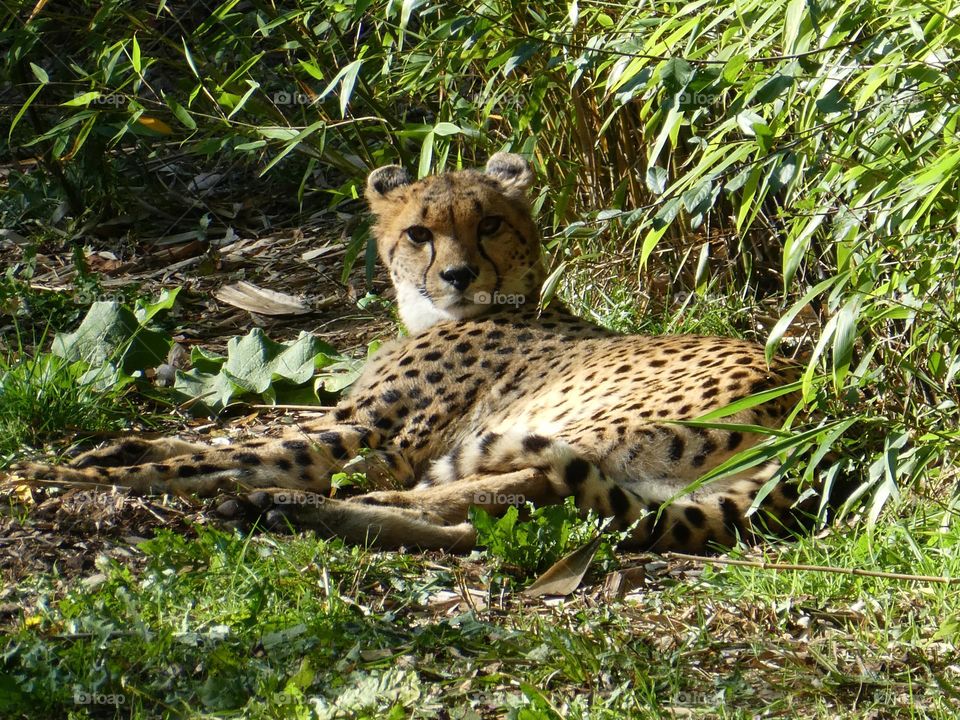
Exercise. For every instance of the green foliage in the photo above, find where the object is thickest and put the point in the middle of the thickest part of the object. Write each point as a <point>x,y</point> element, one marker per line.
<point>795,157</point>
<point>277,372</point>
<point>115,342</point>
<point>78,387</point>
<point>535,542</point>
<point>115,345</point>
<point>32,312</point>
<point>43,398</point>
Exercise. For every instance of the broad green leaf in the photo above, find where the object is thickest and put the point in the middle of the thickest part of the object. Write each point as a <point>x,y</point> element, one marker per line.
<point>426,155</point>
<point>731,427</point>
<point>650,242</point>
<point>749,201</point>
<point>698,200</point>
<point>796,247</point>
<point>189,58</point>
<point>254,361</point>
<point>293,142</point>
<point>784,172</point>
<point>337,376</point>
<point>278,133</point>
<point>748,402</point>
<point>243,70</point>
<point>205,393</point>
<point>111,332</point>
<point>675,74</point>
<point>254,86</point>
<point>346,88</point>
<point>750,122</point>
<point>656,179</point>
<point>731,71</point>
<point>832,101</point>
<point>791,26</point>
<point>22,111</point>
<point>844,337</point>
<point>549,288</point>
<point>884,473</point>
<point>407,8</point>
<point>773,340</point>
<point>671,123</point>
<point>774,88</point>
<point>443,129</point>
<point>146,310</point>
<point>205,361</point>
<point>752,457</point>
<point>312,69</point>
<point>667,212</point>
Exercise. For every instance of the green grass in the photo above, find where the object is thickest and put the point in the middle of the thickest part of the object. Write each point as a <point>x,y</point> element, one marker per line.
<point>223,626</point>
<point>43,398</point>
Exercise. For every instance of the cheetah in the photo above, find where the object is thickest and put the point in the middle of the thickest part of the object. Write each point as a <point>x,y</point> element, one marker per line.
<point>490,400</point>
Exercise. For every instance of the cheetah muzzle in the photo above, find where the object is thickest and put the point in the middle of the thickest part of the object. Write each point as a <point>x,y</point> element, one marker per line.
<point>489,402</point>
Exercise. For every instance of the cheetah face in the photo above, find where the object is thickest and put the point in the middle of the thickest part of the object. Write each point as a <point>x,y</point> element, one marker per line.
<point>460,244</point>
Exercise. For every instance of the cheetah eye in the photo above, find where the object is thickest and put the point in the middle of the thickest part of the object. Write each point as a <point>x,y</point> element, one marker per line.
<point>419,234</point>
<point>489,225</point>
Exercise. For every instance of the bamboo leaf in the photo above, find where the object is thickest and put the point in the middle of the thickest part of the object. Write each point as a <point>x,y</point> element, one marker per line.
<point>135,57</point>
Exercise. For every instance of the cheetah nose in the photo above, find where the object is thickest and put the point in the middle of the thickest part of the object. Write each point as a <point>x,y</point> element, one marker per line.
<point>459,277</point>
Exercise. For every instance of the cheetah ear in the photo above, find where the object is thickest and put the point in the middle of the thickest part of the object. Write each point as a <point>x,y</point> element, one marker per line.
<point>384,180</point>
<point>513,172</point>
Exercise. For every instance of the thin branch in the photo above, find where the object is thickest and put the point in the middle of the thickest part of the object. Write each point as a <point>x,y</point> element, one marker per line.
<point>298,408</point>
<point>763,565</point>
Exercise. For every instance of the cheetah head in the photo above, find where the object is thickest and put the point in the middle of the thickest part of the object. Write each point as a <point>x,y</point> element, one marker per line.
<point>460,244</point>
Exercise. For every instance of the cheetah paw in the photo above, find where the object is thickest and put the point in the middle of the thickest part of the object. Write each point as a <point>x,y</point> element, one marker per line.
<point>274,510</point>
<point>31,471</point>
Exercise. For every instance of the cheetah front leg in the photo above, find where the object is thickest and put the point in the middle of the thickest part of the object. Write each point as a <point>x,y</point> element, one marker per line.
<point>159,466</point>
<point>136,451</point>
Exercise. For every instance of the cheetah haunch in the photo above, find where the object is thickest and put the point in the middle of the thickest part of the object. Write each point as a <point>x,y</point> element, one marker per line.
<point>489,401</point>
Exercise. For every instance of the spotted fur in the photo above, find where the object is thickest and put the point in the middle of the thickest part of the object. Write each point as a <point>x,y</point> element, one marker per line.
<point>489,402</point>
